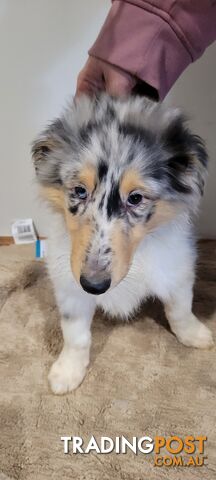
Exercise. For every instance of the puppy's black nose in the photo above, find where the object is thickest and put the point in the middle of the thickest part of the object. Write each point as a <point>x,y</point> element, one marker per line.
<point>93,286</point>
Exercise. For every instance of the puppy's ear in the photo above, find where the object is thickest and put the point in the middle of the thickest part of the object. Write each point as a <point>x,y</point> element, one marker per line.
<point>187,157</point>
<point>41,148</point>
<point>48,152</point>
<point>45,163</point>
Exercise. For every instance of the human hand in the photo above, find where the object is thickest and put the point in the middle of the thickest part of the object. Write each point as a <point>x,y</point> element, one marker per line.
<point>98,75</point>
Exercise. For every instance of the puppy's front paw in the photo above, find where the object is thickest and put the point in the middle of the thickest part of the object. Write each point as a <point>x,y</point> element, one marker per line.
<point>68,372</point>
<point>196,334</point>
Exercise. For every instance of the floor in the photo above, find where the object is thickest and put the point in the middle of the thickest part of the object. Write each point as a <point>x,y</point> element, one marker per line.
<point>141,381</point>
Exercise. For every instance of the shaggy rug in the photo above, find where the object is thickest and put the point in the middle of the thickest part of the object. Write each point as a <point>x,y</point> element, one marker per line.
<point>141,381</point>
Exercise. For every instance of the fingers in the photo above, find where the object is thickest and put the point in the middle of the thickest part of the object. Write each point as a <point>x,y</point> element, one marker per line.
<point>101,76</point>
<point>118,82</point>
<point>90,79</point>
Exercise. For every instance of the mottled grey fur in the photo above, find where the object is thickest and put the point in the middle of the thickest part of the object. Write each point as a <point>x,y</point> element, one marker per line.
<point>116,134</point>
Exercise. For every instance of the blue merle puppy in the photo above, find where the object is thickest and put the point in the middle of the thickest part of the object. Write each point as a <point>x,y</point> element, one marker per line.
<point>124,179</point>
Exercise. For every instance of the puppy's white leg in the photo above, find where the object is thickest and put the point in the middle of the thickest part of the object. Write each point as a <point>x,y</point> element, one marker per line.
<point>69,369</point>
<point>188,329</point>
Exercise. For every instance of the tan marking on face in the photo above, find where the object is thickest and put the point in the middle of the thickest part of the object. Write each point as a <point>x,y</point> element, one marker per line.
<point>121,253</point>
<point>164,212</point>
<point>123,247</point>
<point>55,196</point>
<point>80,231</point>
<point>81,239</point>
<point>72,221</point>
<point>87,176</point>
<point>124,243</point>
<point>131,181</point>
<point>137,234</point>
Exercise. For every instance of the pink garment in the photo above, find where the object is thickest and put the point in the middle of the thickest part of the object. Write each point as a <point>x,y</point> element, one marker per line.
<point>156,40</point>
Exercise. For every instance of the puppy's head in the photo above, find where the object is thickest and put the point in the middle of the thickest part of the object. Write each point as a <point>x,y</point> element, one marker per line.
<point>117,170</point>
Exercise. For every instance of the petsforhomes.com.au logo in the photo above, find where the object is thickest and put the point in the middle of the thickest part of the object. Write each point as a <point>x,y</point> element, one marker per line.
<point>167,451</point>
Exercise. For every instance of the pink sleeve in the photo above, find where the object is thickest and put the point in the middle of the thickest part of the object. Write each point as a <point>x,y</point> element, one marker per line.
<point>156,40</point>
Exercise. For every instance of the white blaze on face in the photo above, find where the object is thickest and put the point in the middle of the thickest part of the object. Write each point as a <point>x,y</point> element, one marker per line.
<point>99,253</point>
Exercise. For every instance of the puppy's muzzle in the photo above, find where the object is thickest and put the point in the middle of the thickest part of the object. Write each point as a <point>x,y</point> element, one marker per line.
<point>94,285</point>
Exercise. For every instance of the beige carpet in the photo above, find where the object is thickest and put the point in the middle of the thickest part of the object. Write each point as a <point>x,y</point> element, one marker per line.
<point>141,382</point>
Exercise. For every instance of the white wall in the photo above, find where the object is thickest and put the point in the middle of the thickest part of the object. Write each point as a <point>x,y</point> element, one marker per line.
<point>43,45</point>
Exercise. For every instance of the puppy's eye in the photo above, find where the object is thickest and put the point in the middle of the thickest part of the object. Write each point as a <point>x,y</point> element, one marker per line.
<point>81,192</point>
<point>134,199</point>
